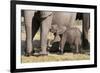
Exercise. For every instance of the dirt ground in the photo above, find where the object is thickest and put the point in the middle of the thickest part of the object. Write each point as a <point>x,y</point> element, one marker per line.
<point>55,57</point>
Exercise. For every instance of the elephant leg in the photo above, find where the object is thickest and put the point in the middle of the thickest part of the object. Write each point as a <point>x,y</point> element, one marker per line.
<point>86,27</point>
<point>28,24</point>
<point>77,46</point>
<point>45,27</point>
<point>62,44</point>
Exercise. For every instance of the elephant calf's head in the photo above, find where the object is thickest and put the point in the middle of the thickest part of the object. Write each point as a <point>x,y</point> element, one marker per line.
<point>54,28</point>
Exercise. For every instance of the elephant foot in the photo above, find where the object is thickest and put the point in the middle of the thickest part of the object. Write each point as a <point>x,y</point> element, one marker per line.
<point>28,54</point>
<point>60,53</point>
<point>76,52</point>
<point>43,53</point>
<point>36,54</point>
<point>82,51</point>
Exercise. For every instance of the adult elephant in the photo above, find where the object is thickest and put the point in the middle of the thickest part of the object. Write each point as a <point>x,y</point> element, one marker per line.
<point>85,17</point>
<point>86,27</point>
<point>44,20</point>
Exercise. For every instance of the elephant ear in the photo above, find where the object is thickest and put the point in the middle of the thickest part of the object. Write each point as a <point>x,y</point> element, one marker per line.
<point>61,30</point>
<point>54,28</point>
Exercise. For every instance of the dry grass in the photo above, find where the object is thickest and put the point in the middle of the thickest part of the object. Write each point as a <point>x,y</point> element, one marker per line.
<point>55,57</point>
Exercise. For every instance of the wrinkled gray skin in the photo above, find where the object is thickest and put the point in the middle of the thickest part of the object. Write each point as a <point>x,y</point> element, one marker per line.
<point>46,19</point>
<point>86,24</point>
<point>86,27</point>
<point>72,35</point>
<point>57,32</point>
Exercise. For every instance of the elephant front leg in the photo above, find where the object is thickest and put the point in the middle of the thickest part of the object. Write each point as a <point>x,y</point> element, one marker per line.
<point>62,44</point>
<point>77,46</point>
<point>28,24</point>
<point>45,27</point>
<point>44,43</point>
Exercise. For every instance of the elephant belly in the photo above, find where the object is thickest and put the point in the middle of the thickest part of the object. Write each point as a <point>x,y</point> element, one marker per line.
<point>62,18</point>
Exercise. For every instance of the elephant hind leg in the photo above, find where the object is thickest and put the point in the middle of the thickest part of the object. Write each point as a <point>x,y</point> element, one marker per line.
<point>77,45</point>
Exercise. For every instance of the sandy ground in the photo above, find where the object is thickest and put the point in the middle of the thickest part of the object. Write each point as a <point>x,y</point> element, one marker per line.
<point>55,57</point>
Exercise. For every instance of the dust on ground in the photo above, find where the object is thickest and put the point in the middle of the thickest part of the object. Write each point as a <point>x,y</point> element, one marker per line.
<point>55,57</point>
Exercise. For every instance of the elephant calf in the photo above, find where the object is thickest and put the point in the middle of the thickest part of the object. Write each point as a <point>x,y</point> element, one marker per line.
<point>72,36</point>
<point>58,31</point>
